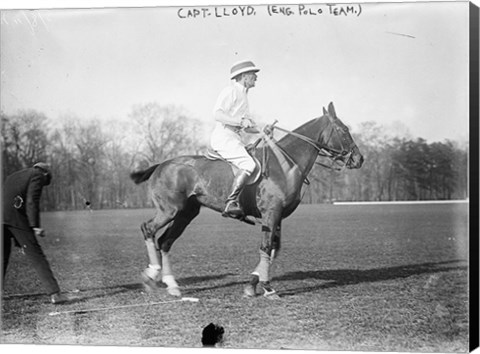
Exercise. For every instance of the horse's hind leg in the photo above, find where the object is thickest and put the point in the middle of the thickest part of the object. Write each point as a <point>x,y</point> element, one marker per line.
<point>149,229</point>
<point>165,242</point>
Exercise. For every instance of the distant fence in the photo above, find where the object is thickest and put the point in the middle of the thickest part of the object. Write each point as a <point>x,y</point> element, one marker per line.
<point>457,201</point>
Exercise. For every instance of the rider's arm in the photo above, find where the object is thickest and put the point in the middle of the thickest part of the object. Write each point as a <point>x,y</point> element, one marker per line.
<point>227,98</point>
<point>247,124</point>
<point>222,117</point>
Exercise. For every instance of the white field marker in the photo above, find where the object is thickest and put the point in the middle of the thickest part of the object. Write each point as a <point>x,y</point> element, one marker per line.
<point>183,299</point>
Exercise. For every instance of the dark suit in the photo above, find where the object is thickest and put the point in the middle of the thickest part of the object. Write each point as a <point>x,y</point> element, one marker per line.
<point>21,213</point>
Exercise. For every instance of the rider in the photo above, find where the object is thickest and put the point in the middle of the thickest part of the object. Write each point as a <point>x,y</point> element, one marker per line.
<point>232,116</point>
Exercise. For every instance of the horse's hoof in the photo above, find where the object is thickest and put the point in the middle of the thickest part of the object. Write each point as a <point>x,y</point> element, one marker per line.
<point>151,274</point>
<point>150,280</point>
<point>149,288</point>
<point>174,291</point>
<point>271,294</point>
<point>150,285</point>
<point>249,291</point>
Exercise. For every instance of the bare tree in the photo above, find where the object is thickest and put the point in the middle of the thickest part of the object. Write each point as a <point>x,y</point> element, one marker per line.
<point>164,132</point>
<point>91,160</point>
<point>24,140</point>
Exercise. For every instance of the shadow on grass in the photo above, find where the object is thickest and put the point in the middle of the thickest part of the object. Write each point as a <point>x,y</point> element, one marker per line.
<point>110,290</point>
<point>341,277</point>
<point>199,279</point>
<point>329,279</point>
<point>122,287</point>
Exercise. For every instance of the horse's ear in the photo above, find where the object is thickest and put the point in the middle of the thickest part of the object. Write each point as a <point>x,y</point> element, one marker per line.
<point>324,111</point>
<point>331,110</point>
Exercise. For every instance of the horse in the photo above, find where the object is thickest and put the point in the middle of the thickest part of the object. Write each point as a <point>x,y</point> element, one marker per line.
<point>179,187</point>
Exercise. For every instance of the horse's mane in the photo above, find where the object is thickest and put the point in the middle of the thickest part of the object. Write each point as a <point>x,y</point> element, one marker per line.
<point>311,129</point>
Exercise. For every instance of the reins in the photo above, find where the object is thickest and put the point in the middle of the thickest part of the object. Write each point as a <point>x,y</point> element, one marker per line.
<point>301,137</point>
<point>321,150</point>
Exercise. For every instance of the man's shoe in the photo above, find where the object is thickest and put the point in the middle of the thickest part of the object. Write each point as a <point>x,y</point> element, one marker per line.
<point>58,299</point>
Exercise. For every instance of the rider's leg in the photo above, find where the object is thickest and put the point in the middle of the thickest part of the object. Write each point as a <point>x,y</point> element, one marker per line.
<point>232,207</point>
<point>246,166</point>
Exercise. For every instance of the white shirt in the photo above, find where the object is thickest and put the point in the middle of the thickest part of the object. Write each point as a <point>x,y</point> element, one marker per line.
<point>233,101</point>
<point>227,140</point>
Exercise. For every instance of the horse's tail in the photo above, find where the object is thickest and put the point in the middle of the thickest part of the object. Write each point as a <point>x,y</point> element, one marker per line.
<point>141,176</point>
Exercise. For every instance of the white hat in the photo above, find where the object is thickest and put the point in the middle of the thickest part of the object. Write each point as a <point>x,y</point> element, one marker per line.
<point>241,67</point>
<point>43,166</point>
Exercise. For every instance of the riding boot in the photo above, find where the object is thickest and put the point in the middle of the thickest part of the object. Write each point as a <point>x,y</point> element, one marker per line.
<point>232,207</point>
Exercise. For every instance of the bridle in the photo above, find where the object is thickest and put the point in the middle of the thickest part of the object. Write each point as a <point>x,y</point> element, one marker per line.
<point>346,148</point>
<point>337,157</point>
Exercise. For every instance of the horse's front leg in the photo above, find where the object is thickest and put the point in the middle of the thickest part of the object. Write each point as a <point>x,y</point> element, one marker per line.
<point>152,274</point>
<point>268,251</point>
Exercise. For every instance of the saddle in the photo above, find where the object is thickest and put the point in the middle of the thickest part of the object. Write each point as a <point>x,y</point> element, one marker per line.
<point>248,197</point>
<point>213,155</point>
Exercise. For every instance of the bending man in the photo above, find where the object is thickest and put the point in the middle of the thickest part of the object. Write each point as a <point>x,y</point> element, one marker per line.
<point>21,223</point>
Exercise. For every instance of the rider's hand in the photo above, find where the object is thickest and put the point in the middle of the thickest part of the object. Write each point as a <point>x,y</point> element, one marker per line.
<point>247,123</point>
<point>249,126</point>
<point>39,232</point>
<point>268,130</point>
<point>251,130</point>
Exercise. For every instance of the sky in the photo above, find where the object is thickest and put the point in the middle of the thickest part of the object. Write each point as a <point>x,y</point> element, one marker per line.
<point>402,65</point>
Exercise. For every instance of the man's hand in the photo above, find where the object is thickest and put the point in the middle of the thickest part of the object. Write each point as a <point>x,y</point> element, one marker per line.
<point>249,126</point>
<point>39,232</point>
<point>268,130</point>
<point>251,130</point>
<point>247,123</point>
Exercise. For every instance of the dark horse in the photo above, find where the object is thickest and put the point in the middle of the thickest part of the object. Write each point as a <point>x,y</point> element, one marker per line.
<point>180,186</point>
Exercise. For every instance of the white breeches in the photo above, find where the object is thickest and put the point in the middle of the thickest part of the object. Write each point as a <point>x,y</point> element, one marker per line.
<point>230,146</point>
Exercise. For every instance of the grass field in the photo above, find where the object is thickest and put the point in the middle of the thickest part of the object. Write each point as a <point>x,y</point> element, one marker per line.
<point>369,278</point>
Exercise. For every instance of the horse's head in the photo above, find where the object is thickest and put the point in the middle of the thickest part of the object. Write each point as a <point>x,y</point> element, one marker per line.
<point>337,143</point>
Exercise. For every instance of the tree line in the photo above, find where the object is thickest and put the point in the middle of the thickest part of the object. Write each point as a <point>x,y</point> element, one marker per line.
<point>91,160</point>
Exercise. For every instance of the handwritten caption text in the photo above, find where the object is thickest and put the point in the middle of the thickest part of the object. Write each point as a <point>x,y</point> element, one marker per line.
<point>271,10</point>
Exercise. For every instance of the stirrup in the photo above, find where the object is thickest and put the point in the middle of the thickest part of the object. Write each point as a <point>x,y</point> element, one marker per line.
<point>235,213</point>
<point>247,220</point>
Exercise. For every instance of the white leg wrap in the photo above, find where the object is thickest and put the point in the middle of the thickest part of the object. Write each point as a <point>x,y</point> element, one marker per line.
<point>169,280</point>
<point>167,268</point>
<point>153,271</point>
<point>263,267</point>
<point>153,255</point>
